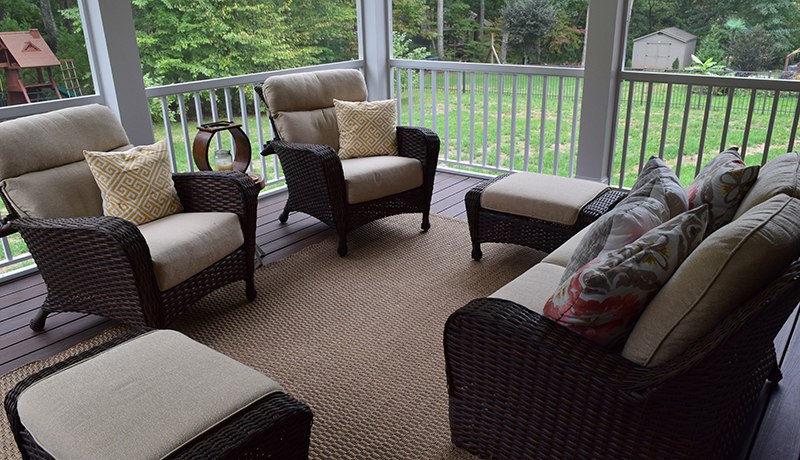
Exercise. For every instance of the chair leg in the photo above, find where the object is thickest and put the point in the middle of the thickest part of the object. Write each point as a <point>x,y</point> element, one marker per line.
<point>426,221</point>
<point>37,322</point>
<point>476,251</point>
<point>775,375</point>
<point>250,289</point>
<point>342,249</point>
<point>284,215</point>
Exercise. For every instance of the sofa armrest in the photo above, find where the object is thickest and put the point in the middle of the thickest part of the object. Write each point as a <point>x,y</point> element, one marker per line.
<point>75,255</point>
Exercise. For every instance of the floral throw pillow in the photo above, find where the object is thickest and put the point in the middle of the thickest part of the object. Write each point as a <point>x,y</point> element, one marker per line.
<point>722,184</point>
<point>603,299</point>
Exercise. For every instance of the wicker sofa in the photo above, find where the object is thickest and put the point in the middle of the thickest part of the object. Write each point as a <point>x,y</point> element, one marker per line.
<point>522,386</point>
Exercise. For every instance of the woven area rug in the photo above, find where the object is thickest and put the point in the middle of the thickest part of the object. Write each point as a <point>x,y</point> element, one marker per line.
<point>359,339</point>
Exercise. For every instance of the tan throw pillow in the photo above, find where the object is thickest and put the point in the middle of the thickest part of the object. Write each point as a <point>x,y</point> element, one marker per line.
<point>726,270</point>
<point>136,185</point>
<point>366,128</point>
<point>779,175</point>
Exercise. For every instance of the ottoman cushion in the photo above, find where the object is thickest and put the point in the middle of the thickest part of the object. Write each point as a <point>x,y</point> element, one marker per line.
<point>142,399</point>
<point>541,196</point>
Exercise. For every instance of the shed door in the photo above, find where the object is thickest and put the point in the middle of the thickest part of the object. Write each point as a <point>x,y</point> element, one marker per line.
<point>659,55</point>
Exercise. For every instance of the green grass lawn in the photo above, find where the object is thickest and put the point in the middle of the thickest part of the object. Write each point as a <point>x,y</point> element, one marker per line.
<point>472,153</point>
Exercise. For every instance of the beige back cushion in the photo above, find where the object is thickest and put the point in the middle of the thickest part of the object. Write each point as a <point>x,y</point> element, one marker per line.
<point>42,171</point>
<point>726,270</point>
<point>301,104</point>
<point>779,175</point>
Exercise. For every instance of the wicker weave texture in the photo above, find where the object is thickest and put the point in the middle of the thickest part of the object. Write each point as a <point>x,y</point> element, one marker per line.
<point>521,386</point>
<point>275,427</point>
<point>102,265</point>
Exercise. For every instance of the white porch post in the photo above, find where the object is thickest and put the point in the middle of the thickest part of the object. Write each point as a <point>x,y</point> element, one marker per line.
<point>375,45</point>
<point>116,65</point>
<point>605,56</point>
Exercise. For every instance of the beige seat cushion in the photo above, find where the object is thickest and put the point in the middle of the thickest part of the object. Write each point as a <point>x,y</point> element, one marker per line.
<point>563,253</point>
<point>532,288</point>
<point>541,196</point>
<point>142,399</point>
<point>779,175</point>
<point>32,194</point>
<point>371,178</point>
<point>728,268</point>
<point>301,104</point>
<point>182,245</point>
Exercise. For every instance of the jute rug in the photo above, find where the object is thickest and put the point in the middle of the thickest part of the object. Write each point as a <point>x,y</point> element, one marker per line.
<point>359,339</point>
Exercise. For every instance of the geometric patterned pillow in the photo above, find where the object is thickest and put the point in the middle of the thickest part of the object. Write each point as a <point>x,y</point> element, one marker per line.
<point>136,185</point>
<point>604,298</point>
<point>366,128</point>
<point>722,184</point>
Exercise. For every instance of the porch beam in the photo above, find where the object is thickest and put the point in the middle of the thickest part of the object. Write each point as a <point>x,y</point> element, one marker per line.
<point>375,45</point>
<point>605,55</point>
<point>116,66</point>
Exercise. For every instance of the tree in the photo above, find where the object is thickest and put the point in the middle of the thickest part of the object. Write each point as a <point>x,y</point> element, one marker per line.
<point>733,25</point>
<point>755,50</point>
<point>440,28</point>
<point>50,28</point>
<point>527,22</point>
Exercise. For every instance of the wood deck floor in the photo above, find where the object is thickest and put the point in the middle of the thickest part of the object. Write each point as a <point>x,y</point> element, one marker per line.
<point>775,432</point>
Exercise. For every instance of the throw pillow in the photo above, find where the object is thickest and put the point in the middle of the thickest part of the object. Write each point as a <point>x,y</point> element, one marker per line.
<point>658,180</point>
<point>622,225</point>
<point>136,185</point>
<point>727,269</point>
<point>607,294</point>
<point>722,184</point>
<point>779,175</point>
<point>366,128</point>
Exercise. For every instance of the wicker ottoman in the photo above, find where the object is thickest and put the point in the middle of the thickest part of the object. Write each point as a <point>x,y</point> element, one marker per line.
<point>535,210</point>
<point>155,395</point>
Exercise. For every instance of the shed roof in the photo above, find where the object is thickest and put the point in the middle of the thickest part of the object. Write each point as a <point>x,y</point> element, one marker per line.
<point>28,48</point>
<point>672,32</point>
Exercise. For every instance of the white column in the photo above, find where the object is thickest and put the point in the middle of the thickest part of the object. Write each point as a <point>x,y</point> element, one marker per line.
<point>114,56</point>
<point>605,56</point>
<point>375,45</point>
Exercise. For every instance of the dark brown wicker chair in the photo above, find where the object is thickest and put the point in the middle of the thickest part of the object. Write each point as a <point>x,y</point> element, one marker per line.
<point>102,265</point>
<point>275,427</point>
<point>522,386</point>
<point>314,176</point>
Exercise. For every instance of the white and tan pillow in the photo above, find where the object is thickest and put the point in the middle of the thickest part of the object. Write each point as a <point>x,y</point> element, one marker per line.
<point>136,185</point>
<point>366,128</point>
<point>726,270</point>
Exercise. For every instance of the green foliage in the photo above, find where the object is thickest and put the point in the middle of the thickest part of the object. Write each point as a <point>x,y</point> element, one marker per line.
<point>402,48</point>
<point>564,43</point>
<point>527,22</point>
<point>754,50</point>
<point>713,44</point>
<point>708,67</point>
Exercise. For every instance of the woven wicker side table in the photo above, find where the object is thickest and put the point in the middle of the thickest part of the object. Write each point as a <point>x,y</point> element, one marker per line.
<point>534,210</point>
<point>155,394</point>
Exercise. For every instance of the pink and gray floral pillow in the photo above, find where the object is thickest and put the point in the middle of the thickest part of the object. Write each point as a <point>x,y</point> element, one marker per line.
<point>722,184</point>
<point>603,299</point>
<point>658,180</point>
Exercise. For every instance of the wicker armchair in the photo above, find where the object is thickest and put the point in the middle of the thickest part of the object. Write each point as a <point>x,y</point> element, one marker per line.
<point>103,265</point>
<point>306,138</point>
<point>522,386</point>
